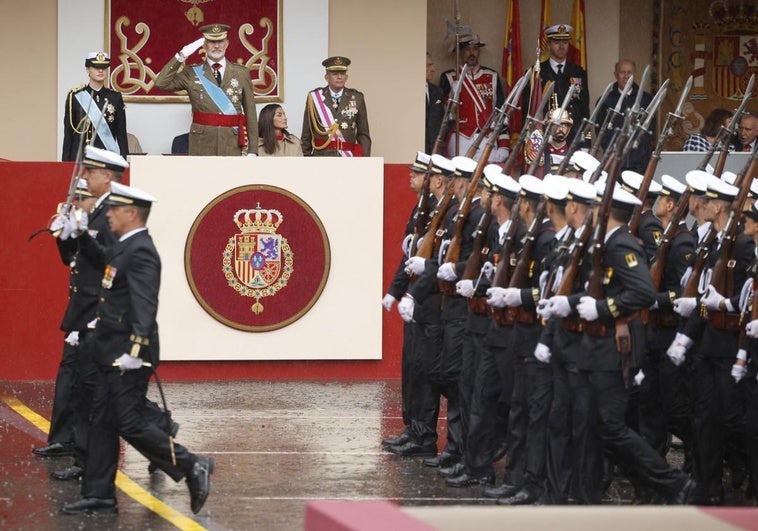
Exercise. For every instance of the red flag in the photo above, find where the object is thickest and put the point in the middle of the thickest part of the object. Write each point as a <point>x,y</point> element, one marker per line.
<point>512,66</point>
<point>545,17</point>
<point>577,52</point>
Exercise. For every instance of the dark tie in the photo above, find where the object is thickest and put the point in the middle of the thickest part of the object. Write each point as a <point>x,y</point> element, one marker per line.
<point>217,72</point>
<point>560,69</point>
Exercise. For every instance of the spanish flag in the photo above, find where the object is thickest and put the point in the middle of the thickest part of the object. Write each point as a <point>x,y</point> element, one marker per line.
<point>577,52</point>
<point>512,68</point>
<point>544,24</point>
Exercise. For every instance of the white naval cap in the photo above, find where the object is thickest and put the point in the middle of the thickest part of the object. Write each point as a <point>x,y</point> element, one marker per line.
<point>500,183</point>
<point>624,199</point>
<point>581,192</point>
<point>442,165</point>
<point>104,159</point>
<point>531,187</point>
<point>671,187</point>
<point>421,164</point>
<point>584,160</point>
<point>122,195</point>
<point>728,177</point>
<point>718,189</point>
<point>631,181</point>
<point>697,181</point>
<point>464,166</point>
<point>556,188</point>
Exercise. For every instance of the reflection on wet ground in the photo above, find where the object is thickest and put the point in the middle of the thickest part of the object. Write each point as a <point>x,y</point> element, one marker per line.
<point>276,446</point>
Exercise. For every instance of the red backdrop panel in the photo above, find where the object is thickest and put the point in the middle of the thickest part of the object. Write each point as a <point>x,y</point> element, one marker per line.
<point>34,287</point>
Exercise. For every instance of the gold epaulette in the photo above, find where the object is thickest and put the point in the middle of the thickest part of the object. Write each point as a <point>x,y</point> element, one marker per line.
<point>77,88</point>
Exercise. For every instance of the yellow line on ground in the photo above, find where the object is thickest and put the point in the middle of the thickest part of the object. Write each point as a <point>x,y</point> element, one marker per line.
<point>123,482</point>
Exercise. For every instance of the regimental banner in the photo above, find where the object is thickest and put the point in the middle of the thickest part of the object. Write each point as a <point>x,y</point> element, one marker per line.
<point>257,258</point>
<point>142,35</point>
<point>717,43</point>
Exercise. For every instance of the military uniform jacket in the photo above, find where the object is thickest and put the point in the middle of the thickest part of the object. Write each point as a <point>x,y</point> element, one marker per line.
<point>650,231</point>
<point>114,116</point>
<point>400,281</point>
<point>129,300</point>
<point>627,288</point>
<point>475,108</point>
<point>579,106</point>
<point>211,139</point>
<point>639,157</point>
<point>351,116</point>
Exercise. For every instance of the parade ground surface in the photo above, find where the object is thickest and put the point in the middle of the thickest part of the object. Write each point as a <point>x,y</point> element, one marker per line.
<point>291,456</point>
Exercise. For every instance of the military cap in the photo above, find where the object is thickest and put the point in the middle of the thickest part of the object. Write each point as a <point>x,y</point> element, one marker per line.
<point>442,166</point>
<point>584,160</point>
<point>751,212</point>
<point>500,183</point>
<point>728,177</point>
<point>467,40</point>
<point>214,32</point>
<point>581,192</point>
<point>531,187</point>
<point>464,166</point>
<point>556,189</point>
<point>103,159</point>
<point>671,187</point>
<point>624,199</point>
<point>587,175</point>
<point>631,181</point>
<point>697,181</point>
<point>559,32</point>
<point>122,195</point>
<point>421,164</point>
<point>718,189</point>
<point>336,64</point>
<point>97,60</point>
<point>82,190</point>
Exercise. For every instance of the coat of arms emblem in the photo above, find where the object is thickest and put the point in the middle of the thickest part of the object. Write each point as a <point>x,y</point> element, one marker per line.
<point>257,262</point>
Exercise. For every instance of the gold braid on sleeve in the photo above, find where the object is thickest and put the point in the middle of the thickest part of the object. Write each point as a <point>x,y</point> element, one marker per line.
<point>317,129</point>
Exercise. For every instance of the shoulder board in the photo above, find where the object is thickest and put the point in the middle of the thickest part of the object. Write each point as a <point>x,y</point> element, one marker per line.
<point>78,88</point>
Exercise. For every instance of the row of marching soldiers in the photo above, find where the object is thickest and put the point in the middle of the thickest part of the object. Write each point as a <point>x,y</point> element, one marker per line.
<point>558,319</point>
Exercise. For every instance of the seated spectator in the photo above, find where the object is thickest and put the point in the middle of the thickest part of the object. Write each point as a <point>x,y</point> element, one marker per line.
<point>273,137</point>
<point>702,141</point>
<point>180,145</point>
<point>134,146</point>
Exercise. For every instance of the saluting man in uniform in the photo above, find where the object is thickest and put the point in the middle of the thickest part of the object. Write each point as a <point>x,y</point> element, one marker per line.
<point>335,122</point>
<point>224,118</point>
<point>94,109</point>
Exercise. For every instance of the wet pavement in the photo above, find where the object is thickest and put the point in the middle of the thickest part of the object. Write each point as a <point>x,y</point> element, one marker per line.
<point>276,445</point>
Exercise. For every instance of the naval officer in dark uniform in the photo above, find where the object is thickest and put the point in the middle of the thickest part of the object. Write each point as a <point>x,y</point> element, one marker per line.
<point>94,109</point>
<point>125,348</point>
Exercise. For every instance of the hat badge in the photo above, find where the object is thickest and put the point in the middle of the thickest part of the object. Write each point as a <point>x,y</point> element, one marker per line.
<point>562,29</point>
<point>100,56</point>
<point>216,28</point>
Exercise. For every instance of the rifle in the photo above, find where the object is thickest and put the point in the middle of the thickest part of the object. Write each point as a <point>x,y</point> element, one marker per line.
<point>451,109</point>
<point>582,131</point>
<point>536,118</point>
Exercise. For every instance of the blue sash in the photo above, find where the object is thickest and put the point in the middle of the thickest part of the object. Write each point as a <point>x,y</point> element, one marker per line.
<point>216,93</point>
<point>95,116</point>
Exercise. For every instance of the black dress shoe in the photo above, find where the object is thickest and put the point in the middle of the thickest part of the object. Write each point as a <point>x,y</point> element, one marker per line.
<point>91,505</point>
<point>522,497</point>
<point>466,480</point>
<point>400,440</point>
<point>199,482</point>
<point>505,490</point>
<point>684,496</point>
<point>55,450</point>
<point>412,449</point>
<point>67,474</point>
<point>456,469</point>
<point>442,460</point>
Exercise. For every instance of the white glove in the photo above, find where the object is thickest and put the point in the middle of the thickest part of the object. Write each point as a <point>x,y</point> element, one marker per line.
<point>738,372</point>
<point>252,154</point>
<point>447,272</point>
<point>499,155</point>
<point>191,48</point>
<point>587,308</point>
<point>559,306</point>
<point>78,221</point>
<point>496,297</point>
<point>465,288</point>
<point>387,301</point>
<point>684,306</point>
<point>543,309</point>
<point>639,378</point>
<point>72,338</point>
<point>676,353</point>
<point>58,223</point>
<point>405,308</point>
<point>712,298</point>
<point>128,363</point>
<point>488,270</point>
<point>415,265</point>
<point>542,353</point>
<point>512,297</point>
<point>751,329</point>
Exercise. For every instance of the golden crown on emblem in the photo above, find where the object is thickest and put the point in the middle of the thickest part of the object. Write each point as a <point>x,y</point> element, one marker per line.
<point>258,220</point>
<point>733,17</point>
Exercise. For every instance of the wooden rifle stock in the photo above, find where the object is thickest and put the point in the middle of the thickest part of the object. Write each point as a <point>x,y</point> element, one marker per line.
<point>576,252</point>
<point>428,245</point>
<point>502,275</point>
<point>480,250</point>
<point>520,275</point>
<point>659,262</point>
<point>423,213</point>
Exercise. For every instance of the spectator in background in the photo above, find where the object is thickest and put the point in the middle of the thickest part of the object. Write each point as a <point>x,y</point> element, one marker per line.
<point>435,107</point>
<point>702,141</point>
<point>747,132</point>
<point>273,137</point>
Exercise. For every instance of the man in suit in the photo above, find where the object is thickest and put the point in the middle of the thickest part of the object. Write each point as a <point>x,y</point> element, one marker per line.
<point>94,109</point>
<point>481,93</point>
<point>564,74</point>
<point>126,348</point>
<point>435,108</point>
<point>224,118</point>
<point>747,132</point>
<point>335,122</point>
